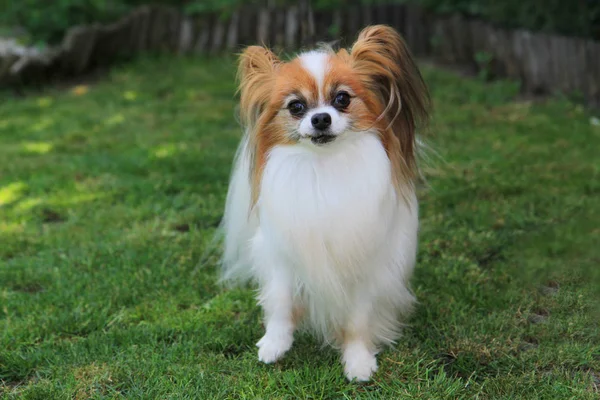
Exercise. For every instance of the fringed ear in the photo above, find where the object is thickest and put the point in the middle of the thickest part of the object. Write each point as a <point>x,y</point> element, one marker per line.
<point>256,76</point>
<point>384,64</point>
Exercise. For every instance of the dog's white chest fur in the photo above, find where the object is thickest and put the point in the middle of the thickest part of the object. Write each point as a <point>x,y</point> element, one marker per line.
<point>330,237</point>
<point>331,226</point>
<point>327,210</point>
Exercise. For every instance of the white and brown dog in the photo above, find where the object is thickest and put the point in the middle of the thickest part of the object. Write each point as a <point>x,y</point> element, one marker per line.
<point>321,211</point>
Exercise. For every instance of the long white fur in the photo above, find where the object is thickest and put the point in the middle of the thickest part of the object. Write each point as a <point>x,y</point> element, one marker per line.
<point>330,235</point>
<point>239,222</point>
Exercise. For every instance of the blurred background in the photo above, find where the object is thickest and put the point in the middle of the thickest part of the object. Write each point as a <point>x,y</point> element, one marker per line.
<point>549,45</point>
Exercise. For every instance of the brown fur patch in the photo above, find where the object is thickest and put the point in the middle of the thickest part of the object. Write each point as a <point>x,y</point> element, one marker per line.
<point>298,314</point>
<point>256,72</point>
<point>385,66</point>
<point>293,78</point>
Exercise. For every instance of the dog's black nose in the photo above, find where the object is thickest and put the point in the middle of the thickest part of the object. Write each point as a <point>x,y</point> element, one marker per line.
<point>321,121</point>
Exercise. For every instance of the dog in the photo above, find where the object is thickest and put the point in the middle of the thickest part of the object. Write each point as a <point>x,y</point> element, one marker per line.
<point>321,212</point>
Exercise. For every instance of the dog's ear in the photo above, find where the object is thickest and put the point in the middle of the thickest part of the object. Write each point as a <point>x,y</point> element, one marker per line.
<point>256,78</point>
<point>384,64</point>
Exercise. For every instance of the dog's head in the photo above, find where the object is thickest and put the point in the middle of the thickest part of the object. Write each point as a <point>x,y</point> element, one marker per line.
<point>322,97</point>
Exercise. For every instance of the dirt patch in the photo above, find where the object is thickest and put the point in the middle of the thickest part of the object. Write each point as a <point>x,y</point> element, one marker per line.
<point>32,287</point>
<point>51,217</point>
<point>538,317</point>
<point>93,381</point>
<point>550,288</point>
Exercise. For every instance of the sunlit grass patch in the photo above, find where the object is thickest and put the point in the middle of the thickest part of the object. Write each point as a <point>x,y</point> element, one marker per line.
<point>12,192</point>
<point>37,147</point>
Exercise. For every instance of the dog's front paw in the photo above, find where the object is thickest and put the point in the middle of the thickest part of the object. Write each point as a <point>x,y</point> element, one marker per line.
<point>359,363</point>
<point>272,347</point>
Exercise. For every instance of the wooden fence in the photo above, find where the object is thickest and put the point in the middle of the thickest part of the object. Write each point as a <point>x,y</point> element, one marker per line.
<point>544,63</point>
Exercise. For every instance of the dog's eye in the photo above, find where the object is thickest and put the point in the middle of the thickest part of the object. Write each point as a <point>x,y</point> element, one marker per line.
<point>342,100</point>
<point>297,108</point>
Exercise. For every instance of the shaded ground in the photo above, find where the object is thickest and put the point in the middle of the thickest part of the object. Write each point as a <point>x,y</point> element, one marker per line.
<point>110,193</point>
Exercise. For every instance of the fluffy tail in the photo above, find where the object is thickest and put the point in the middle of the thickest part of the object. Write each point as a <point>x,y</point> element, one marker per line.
<point>239,223</point>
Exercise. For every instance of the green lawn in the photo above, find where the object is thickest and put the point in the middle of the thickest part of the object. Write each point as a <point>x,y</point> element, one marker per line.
<point>110,194</point>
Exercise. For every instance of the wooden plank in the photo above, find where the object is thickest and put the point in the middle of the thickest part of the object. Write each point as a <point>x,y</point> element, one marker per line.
<point>514,65</point>
<point>569,65</point>
<point>141,29</point>
<point>110,43</point>
<point>125,50</point>
<point>336,30</point>
<point>579,66</point>
<point>510,65</point>
<point>157,29</point>
<point>461,37</point>
<point>171,40</point>
<point>397,21</point>
<point>557,46</point>
<point>366,16</point>
<point>411,27</point>
<point>77,47</point>
<point>232,41</point>
<point>353,23</point>
<point>186,36</point>
<point>477,32</point>
<point>561,64</point>
<point>278,28</point>
<point>347,33</point>
<point>127,44</point>
<point>425,32</point>
<point>323,21</point>
<point>204,30</point>
<point>218,34</point>
<point>442,43</point>
<point>310,30</point>
<point>379,13</point>
<point>248,21</point>
<point>389,18</point>
<point>263,26</point>
<point>292,28</point>
<point>418,32</point>
<point>541,49</point>
<point>592,72</point>
<point>531,66</point>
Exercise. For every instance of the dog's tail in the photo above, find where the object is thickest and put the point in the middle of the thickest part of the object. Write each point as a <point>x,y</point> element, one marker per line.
<point>238,223</point>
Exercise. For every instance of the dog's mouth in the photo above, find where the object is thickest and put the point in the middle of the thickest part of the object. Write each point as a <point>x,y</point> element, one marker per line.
<point>322,139</point>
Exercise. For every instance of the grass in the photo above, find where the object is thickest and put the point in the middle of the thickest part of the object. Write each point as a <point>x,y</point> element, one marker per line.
<point>110,193</point>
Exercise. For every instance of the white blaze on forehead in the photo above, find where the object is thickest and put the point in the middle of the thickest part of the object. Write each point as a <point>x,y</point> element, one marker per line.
<point>316,63</point>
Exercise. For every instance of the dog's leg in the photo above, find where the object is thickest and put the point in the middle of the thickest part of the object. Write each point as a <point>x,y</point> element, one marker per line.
<point>358,350</point>
<point>276,299</point>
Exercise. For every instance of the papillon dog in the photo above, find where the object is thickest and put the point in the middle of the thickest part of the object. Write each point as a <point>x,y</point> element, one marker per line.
<point>321,211</point>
